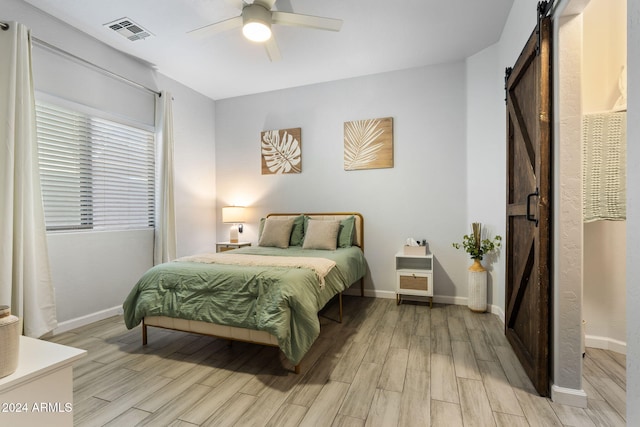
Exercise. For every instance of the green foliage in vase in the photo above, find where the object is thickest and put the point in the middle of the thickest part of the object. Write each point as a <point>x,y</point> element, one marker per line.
<point>475,245</point>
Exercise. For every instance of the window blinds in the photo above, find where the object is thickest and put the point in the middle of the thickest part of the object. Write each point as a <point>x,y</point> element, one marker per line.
<point>96,174</point>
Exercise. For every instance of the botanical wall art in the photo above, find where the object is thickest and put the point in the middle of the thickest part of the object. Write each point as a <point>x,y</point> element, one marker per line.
<point>368,144</point>
<point>281,151</point>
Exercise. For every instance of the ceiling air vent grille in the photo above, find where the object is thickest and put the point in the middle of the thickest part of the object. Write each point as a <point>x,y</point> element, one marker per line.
<point>129,29</point>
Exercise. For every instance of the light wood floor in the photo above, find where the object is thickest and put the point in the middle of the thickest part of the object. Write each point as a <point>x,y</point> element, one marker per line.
<point>385,365</point>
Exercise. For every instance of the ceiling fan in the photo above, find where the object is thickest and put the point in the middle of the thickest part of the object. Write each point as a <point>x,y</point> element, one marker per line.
<point>256,19</point>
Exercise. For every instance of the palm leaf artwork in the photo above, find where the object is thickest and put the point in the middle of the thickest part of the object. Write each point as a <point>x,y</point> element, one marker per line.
<point>368,144</point>
<point>281,151</point>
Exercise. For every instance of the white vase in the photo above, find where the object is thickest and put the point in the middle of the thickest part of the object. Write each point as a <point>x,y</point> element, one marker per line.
<point>477,299</point>
<point>9,341</point>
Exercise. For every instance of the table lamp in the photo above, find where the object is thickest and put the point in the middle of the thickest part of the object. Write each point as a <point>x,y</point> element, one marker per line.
<point>233,215</point>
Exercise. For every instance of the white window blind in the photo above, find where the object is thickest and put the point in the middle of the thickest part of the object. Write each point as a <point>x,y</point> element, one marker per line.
<point>96,174</point>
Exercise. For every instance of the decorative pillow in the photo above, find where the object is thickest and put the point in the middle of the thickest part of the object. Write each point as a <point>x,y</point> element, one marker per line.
<point>321,235</point>
<point>347,232</point>
<point>297,232</point>
<point>276,233</point>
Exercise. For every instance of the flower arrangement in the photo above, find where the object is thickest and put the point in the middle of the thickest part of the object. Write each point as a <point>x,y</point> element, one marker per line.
<point>477,247</point>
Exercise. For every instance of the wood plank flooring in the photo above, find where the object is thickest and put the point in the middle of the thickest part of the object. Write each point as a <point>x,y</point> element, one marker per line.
<point>385,365</point>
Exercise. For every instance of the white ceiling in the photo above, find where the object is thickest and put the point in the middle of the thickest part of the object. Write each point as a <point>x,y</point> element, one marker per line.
<point>376,36</point>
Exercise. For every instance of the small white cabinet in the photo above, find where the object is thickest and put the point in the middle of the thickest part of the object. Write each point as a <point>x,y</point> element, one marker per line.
<point>414,276</point>
<point>40,391</point>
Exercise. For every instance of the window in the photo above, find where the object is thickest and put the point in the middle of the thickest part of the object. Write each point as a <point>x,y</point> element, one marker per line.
<point>96,174</point>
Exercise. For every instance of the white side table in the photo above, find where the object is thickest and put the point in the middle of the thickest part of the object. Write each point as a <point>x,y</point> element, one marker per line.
<point>414,276</point>
<point>40,391</point>
<point>227,246</point>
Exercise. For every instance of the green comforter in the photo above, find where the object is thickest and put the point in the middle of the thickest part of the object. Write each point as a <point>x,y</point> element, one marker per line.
<point>281,301</point>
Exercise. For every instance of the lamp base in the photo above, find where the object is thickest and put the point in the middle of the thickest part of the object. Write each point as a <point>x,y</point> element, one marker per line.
<point>233,234</point>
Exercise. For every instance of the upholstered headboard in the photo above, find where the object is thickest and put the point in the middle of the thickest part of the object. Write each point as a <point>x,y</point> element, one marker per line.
<point>329,216</point>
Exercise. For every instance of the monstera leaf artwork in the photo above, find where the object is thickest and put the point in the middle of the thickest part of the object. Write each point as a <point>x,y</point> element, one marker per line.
<point>368,144</point>
<point>281,151</point>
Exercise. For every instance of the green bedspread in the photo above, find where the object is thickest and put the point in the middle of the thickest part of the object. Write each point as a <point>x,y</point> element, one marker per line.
<point>281,301</point>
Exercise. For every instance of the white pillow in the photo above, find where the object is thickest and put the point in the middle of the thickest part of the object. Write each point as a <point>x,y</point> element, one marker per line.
<point>276,233</point>
<point>321,235</point>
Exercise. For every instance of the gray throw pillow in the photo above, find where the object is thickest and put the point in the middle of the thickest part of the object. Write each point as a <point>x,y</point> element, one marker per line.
<point>276,233</point>
<point>321,235</point>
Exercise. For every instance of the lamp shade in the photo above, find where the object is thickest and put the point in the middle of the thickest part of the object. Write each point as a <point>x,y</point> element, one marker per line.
<point>233,214</point>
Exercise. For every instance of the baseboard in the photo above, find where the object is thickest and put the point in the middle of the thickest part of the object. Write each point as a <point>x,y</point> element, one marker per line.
<point>439,299</point>
<point>372,293</point>
<point>605,343</point>
<point>497,310</point>
<point>446,299</point>
<point>68,325</point>
<point>568,396</point>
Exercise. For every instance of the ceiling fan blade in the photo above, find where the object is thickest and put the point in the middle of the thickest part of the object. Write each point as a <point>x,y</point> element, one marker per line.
<point>309,21</point>
<point>272,49</point>
<point>238,4</point>
<point>285,6</point>
<point>217,27</point>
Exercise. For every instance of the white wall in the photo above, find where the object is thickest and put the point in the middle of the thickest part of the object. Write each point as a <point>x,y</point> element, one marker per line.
<point>604,55</point>
<point>194,157</point>
<point>93,272</point>
<point>486,159</point>
<point>486,138</point>
<point>422,196</point>
<point>567,210</point>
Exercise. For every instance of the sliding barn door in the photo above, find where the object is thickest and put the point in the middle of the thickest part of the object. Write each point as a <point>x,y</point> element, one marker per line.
<point>528,98</point>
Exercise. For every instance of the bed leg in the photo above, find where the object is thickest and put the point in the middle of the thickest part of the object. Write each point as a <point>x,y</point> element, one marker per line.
<point>362,286</point>
<point>144,333</point>
<point>340,306</point>
<point>296,369</point>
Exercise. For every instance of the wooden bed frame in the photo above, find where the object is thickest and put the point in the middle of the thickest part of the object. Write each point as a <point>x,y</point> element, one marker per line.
<point>243,334</point>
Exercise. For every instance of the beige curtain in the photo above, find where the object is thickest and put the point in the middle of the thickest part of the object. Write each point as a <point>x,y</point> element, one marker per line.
<point>165,231</point>
<point>25,278</point>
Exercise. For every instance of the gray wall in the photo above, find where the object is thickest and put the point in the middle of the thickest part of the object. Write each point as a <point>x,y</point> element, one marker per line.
<point>93,272</point>
<point>422,196</point>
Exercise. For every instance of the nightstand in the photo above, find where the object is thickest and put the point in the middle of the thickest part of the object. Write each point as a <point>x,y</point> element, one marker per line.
<point>414,276</point>
<point>227,246</point>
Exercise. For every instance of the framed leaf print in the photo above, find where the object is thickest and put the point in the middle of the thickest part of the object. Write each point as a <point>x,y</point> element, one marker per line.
<point>368,144</point>
<point>281,151</point>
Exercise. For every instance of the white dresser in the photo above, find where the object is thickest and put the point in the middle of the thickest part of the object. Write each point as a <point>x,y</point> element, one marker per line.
<point>40,391</point>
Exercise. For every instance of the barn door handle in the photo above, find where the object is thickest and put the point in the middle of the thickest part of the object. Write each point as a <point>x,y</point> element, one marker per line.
<point>529,216</point>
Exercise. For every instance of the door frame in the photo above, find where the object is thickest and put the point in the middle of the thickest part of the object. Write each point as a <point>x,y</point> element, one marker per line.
<point>566,343</point>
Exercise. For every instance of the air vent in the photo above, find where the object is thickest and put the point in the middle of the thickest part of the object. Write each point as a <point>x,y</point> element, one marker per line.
<point>129,29</point>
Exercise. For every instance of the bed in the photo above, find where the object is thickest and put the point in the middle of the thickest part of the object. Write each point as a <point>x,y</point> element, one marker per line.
<point>268,294</point>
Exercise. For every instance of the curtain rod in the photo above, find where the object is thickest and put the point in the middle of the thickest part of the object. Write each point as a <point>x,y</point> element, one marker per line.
<point>5,26</point>
<point>109,73</point>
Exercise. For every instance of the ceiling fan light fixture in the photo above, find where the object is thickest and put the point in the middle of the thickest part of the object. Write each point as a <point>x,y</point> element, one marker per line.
<point>256,31</point>
<point>256,23</point>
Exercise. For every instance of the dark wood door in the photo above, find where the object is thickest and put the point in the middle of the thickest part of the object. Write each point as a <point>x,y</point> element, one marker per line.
<point>528,287</point>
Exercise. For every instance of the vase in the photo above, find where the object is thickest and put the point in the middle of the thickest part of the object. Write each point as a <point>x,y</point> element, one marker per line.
<point>9,341</point>
<point>477,300</point>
